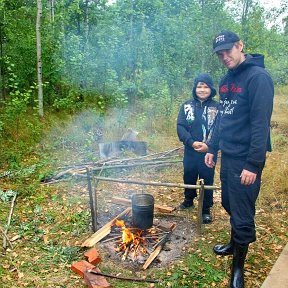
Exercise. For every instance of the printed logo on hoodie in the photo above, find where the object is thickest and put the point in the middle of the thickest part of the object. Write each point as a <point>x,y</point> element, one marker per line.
<point>189,112</point>
<point>233,88</point>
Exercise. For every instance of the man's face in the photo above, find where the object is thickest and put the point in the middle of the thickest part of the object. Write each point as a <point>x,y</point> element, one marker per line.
<point>233,57</point>
<point>203,91</point>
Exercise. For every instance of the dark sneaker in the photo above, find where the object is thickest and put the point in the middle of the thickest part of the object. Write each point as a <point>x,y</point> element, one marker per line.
<point>206,218</point>
<point>186,204</point>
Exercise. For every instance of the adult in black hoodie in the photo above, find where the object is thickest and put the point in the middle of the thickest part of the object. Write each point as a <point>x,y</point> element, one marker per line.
<point>195,125</point>
<point>243,136</point>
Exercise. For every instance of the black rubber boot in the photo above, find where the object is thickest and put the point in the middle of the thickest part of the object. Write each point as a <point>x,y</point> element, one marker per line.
<point>223,250</point>
<point>237,272</point>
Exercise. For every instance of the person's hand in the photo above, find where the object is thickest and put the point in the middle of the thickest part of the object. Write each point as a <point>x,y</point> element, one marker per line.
<point>247,177</point>
<point>201,147</point>
<point>196,144</point>
<point>209,160</point>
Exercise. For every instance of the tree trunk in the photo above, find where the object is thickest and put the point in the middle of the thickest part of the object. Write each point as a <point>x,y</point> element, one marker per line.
<point>39,58</point>
<point>52,10</point>
<point>2,74</point>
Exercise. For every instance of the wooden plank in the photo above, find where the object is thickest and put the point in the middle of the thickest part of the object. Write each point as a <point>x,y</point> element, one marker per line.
<point>103,231</point>
<point>278,277</point>
<point>127,202</point>
<point>158,249</point>
<point>152,256</point>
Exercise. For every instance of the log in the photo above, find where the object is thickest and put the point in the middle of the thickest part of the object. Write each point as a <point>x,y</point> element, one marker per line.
<point>103,231</point>
<point>158,248</point>
<point>128,202</point>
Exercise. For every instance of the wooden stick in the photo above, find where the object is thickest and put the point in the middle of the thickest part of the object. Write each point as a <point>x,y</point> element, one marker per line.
<point>127,202</point>
<point>6,237</point>
<point>121,277</point>
<point>103,231</point>
<point>9,219</point>
<point>200,207</point>
<point>91,201</point>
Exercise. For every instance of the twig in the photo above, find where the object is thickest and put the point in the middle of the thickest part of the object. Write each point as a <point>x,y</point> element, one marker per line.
<point>111,239</point>
<point>122,278</point>
<point>9,219</point>
<point>124,256</point>
<point>6,238</point>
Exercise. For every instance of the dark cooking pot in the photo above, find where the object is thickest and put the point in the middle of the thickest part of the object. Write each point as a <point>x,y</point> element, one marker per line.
<point>142,210</point>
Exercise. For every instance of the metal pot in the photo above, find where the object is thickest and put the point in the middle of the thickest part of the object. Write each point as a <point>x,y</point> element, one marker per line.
<point>142,211</point>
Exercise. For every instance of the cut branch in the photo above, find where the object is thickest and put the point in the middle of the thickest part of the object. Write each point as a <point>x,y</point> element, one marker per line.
<point>9,220</point>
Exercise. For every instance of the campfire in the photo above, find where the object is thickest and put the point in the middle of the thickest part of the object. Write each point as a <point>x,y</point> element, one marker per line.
<point>136,243</point>
<point>138,239</point>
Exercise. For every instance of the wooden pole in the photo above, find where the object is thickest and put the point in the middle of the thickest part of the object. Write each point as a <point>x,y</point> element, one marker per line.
<point>200,207</point>
<point>156,183</point>
<point>91,200</point>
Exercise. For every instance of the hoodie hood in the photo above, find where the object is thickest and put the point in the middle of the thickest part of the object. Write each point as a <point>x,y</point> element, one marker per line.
<point>207,79</point>
<point>251,60</point>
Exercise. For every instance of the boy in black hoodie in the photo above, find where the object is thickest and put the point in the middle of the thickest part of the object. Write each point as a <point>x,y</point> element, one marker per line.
<point>243,136</point>
<point>195,125</point>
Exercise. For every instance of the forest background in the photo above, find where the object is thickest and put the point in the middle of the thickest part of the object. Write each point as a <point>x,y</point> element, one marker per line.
<point>107,66</point>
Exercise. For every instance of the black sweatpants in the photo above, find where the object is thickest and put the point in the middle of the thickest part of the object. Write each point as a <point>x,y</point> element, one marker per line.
<point>239,200</point>
<point>194,167</point>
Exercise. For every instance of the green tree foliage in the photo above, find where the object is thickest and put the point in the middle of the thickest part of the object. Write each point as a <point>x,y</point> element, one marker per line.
<point>101,54</point>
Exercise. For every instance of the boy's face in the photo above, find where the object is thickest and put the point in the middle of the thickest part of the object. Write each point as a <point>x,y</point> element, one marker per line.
<point>203,91</point>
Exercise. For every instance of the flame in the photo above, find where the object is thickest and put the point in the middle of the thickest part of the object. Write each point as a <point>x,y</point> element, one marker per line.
<point>130,240</point>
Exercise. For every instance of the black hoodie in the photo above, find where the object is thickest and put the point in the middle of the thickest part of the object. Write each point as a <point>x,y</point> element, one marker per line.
<point>246,103</point>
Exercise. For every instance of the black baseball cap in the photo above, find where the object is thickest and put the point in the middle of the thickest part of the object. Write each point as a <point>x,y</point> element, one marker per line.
<point>224,41</point>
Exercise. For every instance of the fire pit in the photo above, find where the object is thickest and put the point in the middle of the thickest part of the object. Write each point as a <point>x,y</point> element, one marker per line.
<point>139,248</point>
